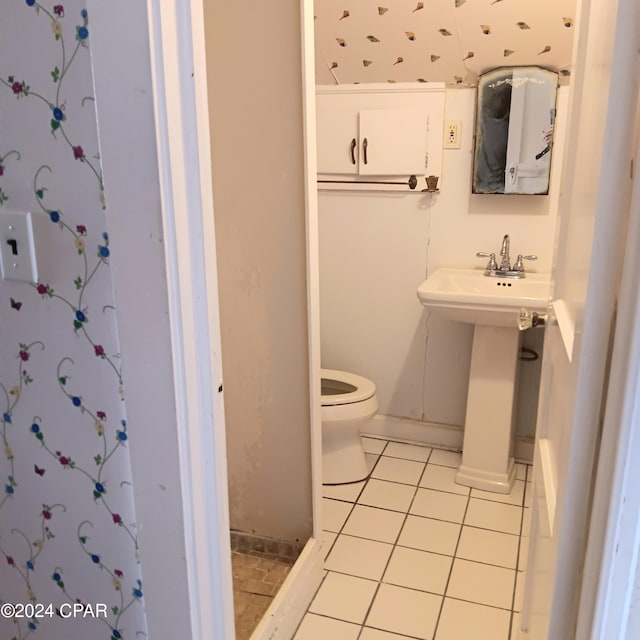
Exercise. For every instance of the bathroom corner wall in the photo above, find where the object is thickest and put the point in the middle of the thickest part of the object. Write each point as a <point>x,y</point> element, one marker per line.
<point>255,94</point>
<point>376,248</point>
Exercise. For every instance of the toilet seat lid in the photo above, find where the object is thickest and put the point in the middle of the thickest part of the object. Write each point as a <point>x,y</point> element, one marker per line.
<point>341,387</point>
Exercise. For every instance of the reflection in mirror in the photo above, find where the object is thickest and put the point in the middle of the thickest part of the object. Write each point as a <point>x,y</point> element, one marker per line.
<point>514,130</point>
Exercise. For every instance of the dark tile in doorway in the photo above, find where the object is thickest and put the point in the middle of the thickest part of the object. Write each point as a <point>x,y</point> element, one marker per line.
<point>259,567</point>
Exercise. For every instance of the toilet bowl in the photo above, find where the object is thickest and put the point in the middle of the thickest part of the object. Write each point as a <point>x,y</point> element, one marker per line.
<point>348,404</point>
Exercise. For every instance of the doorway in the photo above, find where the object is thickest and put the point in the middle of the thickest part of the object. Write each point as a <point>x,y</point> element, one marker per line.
<point>205,557</point>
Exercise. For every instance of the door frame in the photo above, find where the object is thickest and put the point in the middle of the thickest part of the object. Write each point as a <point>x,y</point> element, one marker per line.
<point>178,63</point>
<point>157,180</point>
<point>604,570</point>
<point>172,63</point>
<point>185,559</point>
<point>177,54</point>
<point>611,565</point>
<point>182,131</point>
<point>612,555</point>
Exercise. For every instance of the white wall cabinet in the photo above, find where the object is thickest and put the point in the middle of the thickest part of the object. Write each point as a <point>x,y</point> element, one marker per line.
<point>371,142</point>
<point>369,136</point>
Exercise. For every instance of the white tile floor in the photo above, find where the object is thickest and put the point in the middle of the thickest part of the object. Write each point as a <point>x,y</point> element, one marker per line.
<point>412,555</point>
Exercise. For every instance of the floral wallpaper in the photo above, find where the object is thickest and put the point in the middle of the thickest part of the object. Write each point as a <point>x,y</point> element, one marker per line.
<point>68,535</point>
<point>450,41</point>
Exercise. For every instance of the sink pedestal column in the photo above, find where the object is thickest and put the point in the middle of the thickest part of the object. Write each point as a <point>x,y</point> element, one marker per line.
<point>487,450</point>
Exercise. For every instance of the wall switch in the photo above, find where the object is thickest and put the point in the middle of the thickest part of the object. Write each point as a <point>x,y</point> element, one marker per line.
<point>17,248</point>
<point>452,134</point>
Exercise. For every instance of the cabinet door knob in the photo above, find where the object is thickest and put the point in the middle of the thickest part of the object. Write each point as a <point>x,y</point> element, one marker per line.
<point>365,143</point>
<point>353,149</point>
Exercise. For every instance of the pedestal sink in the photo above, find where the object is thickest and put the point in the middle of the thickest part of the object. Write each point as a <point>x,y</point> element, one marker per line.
<point>491,304</point>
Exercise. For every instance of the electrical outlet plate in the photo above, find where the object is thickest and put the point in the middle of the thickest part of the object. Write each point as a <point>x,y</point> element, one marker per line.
<point>452,134</point>
<point>17,248</point>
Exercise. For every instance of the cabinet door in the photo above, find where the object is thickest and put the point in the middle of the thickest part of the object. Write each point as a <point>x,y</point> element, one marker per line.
<point>392,142</point>
<point>337,144</point>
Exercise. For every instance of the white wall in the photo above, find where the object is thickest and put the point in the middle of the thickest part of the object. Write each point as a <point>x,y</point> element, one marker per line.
<point>257,157</point>
<point>376,248</point>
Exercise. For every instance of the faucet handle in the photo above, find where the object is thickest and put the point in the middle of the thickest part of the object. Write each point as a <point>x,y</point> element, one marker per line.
<point>518,266</point>
<point>493,265</point>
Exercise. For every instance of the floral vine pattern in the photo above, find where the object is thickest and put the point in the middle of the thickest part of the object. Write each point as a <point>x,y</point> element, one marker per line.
<point>81,282</point>
<point>12,397</point>
<point>27,568</point>
<point>3,196</point>
<point>97,482</point>
<point>58,116</point>
<point>85,437</point>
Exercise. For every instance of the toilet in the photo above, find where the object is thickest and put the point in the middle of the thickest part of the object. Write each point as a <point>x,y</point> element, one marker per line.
<point>348,403</point>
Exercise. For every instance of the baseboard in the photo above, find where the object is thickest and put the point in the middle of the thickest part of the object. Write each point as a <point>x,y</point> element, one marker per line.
<point>445,436</point>
<point>290,604</point>
<point>402,429</point>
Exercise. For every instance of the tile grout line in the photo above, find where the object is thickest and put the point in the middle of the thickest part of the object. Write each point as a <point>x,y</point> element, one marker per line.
<point>459,599</point>
<point>436,553</point>
<point>417,515</point>
<point>393,548</point>
<point>406,513</point>
<point>395,633</point>
<point>306,613</point>
<point>515,580</point>
<point>353,504</point>
<point>453,560</point>
<point>409,484</point>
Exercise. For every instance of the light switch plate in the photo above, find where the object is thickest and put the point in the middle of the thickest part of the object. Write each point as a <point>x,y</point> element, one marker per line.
<point>17,247</point>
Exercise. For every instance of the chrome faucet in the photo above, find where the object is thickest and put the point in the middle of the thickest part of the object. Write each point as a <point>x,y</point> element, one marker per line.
<point>505,265</point>
<point>505,270</point>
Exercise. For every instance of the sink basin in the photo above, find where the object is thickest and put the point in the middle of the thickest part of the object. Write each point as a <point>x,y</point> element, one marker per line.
<point>492,305</point>
<point>467,295</point>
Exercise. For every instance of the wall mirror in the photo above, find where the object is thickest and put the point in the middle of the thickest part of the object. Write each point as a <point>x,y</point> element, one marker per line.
<point>515,116</point>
